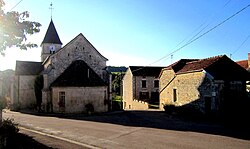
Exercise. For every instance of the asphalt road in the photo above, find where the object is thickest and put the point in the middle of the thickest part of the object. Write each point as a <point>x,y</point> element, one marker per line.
<point>132,129</point>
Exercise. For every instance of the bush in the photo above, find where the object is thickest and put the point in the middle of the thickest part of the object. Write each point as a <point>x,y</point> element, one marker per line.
<point>8,127</point>
<point>169,108</point>
<point>89,108</point>
<point>116,102</point>
<point>8,130</point>
<point>189,112</point>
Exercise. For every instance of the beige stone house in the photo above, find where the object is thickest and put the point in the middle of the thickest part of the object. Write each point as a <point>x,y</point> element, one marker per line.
<point>73,76</point>
<point>141,87</point>
<point>209,85</point>
<point>246,65</point>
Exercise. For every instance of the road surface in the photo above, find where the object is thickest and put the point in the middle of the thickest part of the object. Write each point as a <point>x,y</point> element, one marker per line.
<point>132,129</point>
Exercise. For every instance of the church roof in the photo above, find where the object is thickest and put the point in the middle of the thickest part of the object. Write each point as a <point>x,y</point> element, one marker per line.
<point>51,35</point>
<point>78,74</point>
<point>28,68</point>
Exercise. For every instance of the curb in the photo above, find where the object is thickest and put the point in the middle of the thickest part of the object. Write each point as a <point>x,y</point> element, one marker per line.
<point>60,138</point>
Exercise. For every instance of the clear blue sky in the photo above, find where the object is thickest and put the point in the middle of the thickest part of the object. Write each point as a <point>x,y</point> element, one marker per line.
<point>139,32</point>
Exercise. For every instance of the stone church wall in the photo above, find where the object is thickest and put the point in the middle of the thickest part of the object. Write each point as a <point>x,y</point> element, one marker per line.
<point>77,97</point>
<point>77,49</point>
<point>26,98</point>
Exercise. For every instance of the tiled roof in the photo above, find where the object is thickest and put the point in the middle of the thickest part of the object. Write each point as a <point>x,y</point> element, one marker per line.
<point>179,64</point>
<point>51,35</point>
<point>197,65</point>
<point>243,63</point>
<point>145,70</point>
<point>220,67</point>
<point>28,68</point>
<point>78,74</point>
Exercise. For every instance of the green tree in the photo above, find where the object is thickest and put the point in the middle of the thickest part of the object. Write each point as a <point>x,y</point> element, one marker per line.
<point>14,29</point>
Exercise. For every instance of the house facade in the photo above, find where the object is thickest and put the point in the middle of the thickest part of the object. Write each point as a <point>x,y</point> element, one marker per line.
<point>246,65</point>
<point>73,75</point>
<point>140,87</point>
<point>210,85</point>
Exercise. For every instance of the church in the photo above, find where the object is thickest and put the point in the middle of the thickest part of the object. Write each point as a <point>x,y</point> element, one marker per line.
<point>73,77</point>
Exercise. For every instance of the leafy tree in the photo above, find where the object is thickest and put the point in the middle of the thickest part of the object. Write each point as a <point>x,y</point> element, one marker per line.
<point>14,29</point>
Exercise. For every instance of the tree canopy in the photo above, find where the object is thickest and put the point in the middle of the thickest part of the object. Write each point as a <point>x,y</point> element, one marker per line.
<point>14,29</point>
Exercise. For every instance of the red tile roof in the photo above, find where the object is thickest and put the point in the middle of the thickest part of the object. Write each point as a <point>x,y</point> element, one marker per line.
<point>243,63</point>
<point>220,67</point>
<point>189,65</point>
<point>198,65</point>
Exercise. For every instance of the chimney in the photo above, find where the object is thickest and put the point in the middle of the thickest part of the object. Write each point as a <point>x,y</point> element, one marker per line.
<point>248,60</point>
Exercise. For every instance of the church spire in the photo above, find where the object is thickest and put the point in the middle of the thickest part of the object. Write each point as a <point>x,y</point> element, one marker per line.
<point>51,35</point>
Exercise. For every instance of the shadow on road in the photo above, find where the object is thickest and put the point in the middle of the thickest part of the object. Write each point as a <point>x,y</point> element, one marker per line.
<point>159,120</point>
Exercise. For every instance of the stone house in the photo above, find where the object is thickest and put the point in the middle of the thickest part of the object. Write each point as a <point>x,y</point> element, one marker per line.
<point>211,85</point>
<point>246,65</point>
<point>73,76</point>
<point>141,87</point>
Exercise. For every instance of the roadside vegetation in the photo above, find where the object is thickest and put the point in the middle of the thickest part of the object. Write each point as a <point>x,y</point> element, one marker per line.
<point>11,139</point>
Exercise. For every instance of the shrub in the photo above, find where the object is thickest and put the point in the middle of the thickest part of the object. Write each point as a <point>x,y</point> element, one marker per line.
<point>89,108</point>
<point>8,127</point>
<point>169,108</point>
<point>8,130</point>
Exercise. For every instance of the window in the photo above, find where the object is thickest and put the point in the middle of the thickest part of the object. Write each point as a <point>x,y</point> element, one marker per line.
<point>61,102</point>
<point>143,83</point>
<point>156,83</point>
<point>174,95</point>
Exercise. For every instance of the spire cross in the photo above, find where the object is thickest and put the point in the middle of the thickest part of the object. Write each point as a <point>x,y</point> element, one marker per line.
<point>51,8</point>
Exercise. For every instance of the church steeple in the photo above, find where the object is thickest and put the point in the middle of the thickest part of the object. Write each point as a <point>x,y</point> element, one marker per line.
<point>51,35</point>
<point>51,42</point>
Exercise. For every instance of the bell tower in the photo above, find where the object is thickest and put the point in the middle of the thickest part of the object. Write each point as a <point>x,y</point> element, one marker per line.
<point>51,42</point>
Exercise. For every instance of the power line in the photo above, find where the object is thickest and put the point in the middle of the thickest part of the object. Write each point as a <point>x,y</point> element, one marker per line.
<point>16,5</point>
<point>208,31</point>
<point>200,28</point>
<point>240,45</point>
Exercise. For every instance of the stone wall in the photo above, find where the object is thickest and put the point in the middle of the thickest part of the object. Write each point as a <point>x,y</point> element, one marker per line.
<point>78,49</point>
<point>137,81</point>
<point>132,86</point>
<point>139,105</point>
<point>127,90</point>
<point>46,50</point>
<point>77,97</point>
<point>26,95</point>
<point>188,88</point>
